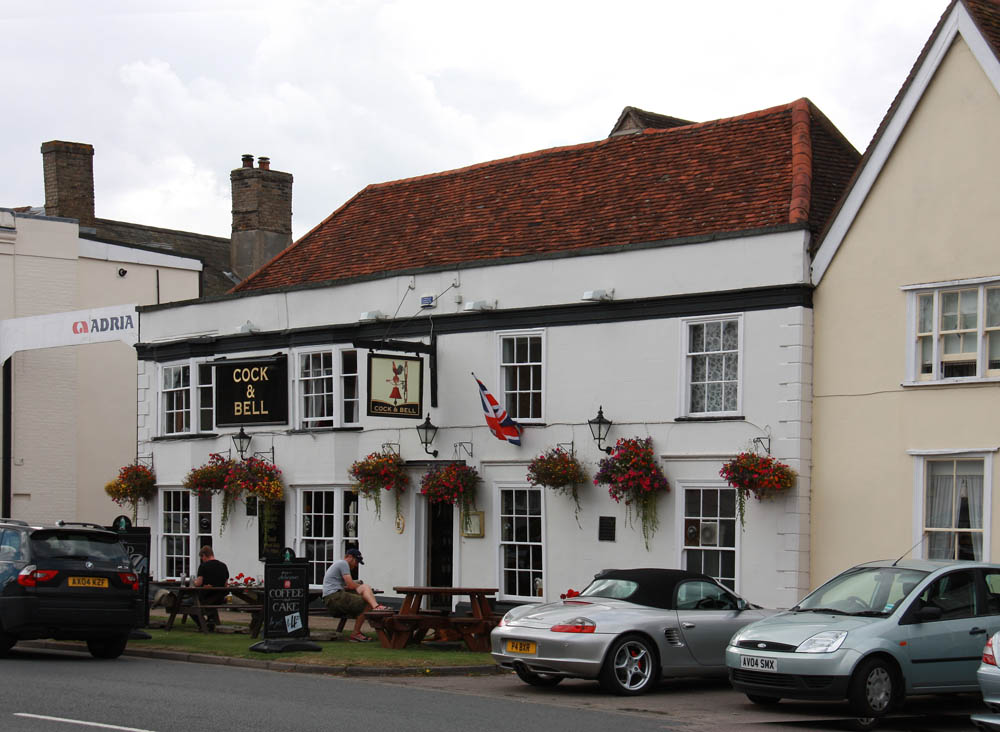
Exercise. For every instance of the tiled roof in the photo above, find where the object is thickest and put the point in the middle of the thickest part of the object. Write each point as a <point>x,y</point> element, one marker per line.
<point>986,14</point>
<point>776,167</point>
<point>633,119</point>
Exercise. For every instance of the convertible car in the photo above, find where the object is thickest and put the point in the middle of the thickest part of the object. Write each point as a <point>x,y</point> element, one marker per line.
<point>628,628</point>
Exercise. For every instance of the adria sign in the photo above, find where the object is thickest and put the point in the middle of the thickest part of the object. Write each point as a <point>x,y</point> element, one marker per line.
<point>103,325</point>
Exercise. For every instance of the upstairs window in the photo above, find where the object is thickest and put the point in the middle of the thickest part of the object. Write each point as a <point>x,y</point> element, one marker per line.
<point>328,389</point>
<point>178,395</point>
<point>712,367</point>
<point>521,375</point>
<point>956,332</point>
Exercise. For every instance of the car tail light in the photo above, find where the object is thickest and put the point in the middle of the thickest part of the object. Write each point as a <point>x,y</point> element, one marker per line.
<point>988,657</point>
<point>576,625</point>
<point>30,576</point>
<point>129,578</point>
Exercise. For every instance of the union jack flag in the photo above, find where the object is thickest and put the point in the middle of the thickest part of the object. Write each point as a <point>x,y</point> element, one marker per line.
<point>497,419</point>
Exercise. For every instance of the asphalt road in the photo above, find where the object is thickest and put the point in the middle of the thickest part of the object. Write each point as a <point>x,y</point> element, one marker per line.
<point>50,691</point>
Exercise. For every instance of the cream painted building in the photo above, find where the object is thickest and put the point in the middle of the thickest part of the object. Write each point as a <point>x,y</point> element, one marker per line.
<point>906,379</point>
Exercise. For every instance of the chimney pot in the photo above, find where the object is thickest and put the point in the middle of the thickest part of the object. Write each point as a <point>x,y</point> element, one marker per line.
<point>264,163</point>
<point>247,161</point>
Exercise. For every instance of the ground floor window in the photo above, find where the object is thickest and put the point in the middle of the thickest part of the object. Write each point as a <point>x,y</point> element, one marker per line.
<point>329,528</point>
<point>187,526</point>
<point>521,563</point>
<point>710,533</point>
<point>953,509</point>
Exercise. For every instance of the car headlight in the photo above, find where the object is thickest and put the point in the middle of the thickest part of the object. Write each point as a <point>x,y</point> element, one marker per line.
<point>826,642</point>
<point>739,635</point>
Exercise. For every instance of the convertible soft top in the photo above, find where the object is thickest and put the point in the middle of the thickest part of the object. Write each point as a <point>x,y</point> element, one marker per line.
<point>655,586</point>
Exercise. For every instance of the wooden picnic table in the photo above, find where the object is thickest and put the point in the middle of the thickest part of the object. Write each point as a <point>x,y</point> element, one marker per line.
<point>251,596</point>
<point>412,622</point>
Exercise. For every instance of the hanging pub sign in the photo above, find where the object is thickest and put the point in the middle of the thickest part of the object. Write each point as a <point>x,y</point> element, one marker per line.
<point>251,391</point>
<point>395,386</point>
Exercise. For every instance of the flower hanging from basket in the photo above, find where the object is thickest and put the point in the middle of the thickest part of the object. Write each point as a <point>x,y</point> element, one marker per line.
<point>761,475</point>
<point>453,483</point>
<point>377,472</point>
<point>633,475</point>
<point>134,483</point>
<point>251,477</point>
<point>560,471</point>
<point>210,478</point>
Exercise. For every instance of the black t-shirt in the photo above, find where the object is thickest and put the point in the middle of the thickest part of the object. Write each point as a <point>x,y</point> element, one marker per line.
<point>214,573</point>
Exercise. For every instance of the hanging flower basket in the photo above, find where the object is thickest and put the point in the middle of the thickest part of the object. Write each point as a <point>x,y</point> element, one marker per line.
<point>134,483</point>
<point>251,477</point>
<point>560,471</point>
<point>760,475</point>
<point>452,483</point>
<point>210,478</point>
<point>377,472</point>
<point>633,475</point>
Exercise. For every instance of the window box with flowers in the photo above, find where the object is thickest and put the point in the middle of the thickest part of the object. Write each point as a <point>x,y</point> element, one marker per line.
<point>377,472</point>
<point>134,483</point>
<point>633,475</point>
<point>251,477</point>
<point>453,483</point>
<point>559,470</point>
<point>760,475</point>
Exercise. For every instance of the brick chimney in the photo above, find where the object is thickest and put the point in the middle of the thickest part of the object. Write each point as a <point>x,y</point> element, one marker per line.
<point>262,215</point>
<point>68,168</point>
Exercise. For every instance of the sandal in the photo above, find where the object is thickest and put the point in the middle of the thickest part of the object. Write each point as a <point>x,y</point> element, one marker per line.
<point>359,638</point>
<point>381,607</point>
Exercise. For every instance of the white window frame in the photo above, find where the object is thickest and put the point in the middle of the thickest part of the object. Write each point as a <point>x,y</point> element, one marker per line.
<point>685,371</point>
<point>500,392</point>
<point>920,460</point>
<point>337,385</point>
<point>680,513</point>
<point>913,359</point>
<point>498,527</point>
<point>194,390</point>
<point>340,539</point>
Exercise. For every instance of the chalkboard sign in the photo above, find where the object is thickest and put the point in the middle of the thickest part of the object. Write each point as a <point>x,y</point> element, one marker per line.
<point>286,600</point>
<point>137,543</point>
<point>270,530</point>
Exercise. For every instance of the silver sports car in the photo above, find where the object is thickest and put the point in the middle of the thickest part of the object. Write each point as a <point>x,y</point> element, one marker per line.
<point>627,629</point>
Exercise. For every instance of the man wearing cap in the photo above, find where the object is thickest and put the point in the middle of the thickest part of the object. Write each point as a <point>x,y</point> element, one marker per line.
<point>344,597</point>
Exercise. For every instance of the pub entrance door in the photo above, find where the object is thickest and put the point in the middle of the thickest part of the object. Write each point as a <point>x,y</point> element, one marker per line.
<point>440,545</point>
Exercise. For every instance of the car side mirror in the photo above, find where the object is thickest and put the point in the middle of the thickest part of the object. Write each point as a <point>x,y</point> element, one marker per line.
<point>741,604</point>
<point>927,614</point>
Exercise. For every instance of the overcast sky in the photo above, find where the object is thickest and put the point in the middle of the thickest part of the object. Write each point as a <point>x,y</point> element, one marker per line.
<point>349,92</point>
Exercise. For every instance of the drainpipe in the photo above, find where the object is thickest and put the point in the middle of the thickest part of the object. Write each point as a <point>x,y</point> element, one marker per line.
<point>8,441</point>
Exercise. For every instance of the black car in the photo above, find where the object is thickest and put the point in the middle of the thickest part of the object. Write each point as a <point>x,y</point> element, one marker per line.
<point>68,582</point>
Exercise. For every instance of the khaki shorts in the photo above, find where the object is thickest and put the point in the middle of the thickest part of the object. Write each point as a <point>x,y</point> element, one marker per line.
<point>344,603</point>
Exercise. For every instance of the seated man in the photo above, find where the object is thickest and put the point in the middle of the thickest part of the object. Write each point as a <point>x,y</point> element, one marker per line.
<point>344,597</point>
<point>211,573</point>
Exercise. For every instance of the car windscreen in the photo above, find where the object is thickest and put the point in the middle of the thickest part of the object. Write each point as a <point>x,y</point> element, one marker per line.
<point>874,591</point>
<point>618,589</point>
<point>69,544</point>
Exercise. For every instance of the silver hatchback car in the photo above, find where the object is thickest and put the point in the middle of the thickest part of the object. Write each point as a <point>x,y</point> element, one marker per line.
<point>873,634</point>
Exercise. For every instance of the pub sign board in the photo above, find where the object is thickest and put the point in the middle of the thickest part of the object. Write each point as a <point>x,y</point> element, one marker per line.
<point>251,391</point>
<point>286,600</point>
<point>395,386</point>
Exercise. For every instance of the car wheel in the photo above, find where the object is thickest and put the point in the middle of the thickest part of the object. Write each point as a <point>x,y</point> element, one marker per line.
<point>107,647</point>
<point>630,667</point>
<point>763,700</point>
<point>530,677</point>
<point>874,689</point>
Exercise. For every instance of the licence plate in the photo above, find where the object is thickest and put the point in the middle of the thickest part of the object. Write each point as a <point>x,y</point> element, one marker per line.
<point>514,646</point>
<point>758,663</point>
<point>88,582</point>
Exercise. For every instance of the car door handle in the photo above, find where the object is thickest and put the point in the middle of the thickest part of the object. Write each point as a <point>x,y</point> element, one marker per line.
<point>977,631</point>
<point>687,626</point>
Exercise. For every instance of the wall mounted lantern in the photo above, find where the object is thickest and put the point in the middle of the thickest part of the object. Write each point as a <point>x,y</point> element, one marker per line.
<point>427,431</point>
<point>241,442</point>
<point>599,427</point>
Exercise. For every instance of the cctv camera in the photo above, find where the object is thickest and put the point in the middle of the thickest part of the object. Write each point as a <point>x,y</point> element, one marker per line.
<point>122,271</point>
